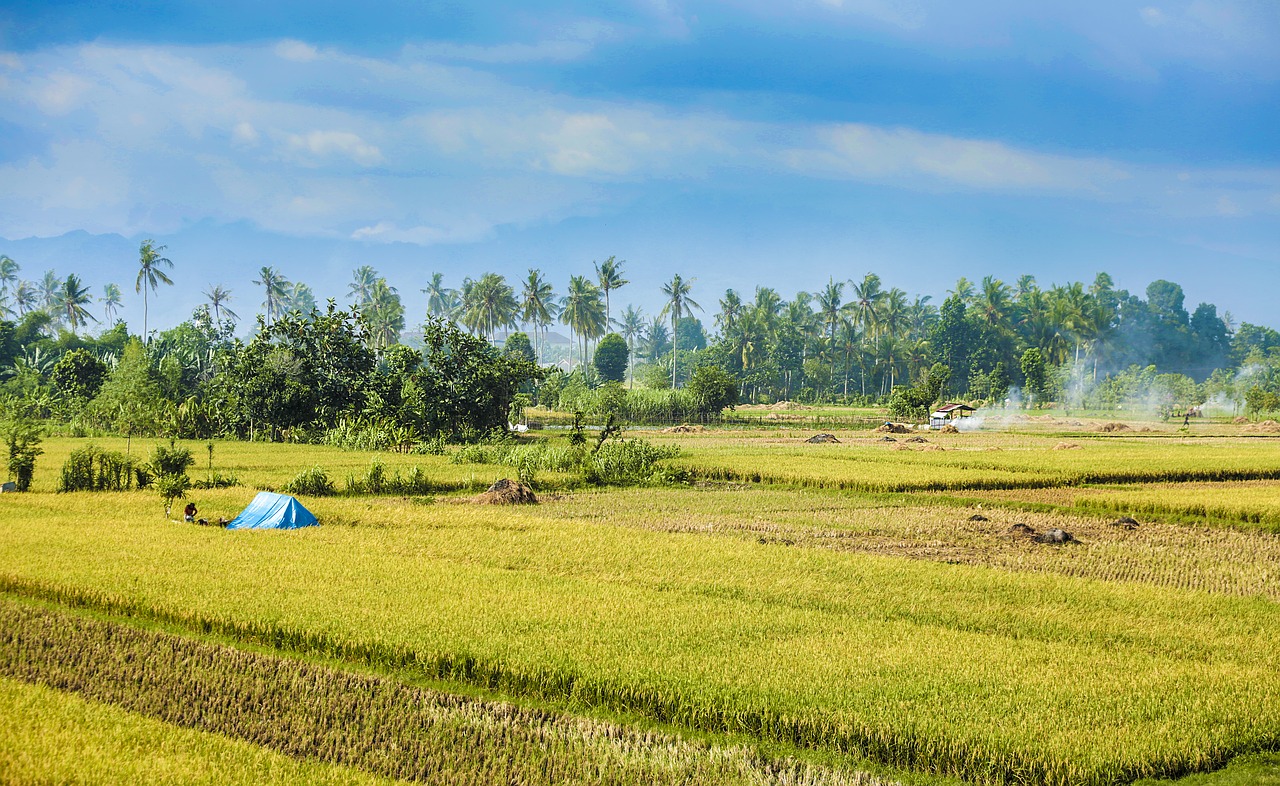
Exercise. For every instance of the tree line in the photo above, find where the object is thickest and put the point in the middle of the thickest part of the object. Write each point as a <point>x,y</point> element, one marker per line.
<point>308,372</point>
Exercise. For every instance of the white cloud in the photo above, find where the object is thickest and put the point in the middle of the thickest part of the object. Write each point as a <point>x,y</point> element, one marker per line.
<point>405,150</point>
<point>245,133</point>
<point>296,51</point>
<point>912,157</point>
<point>325,144</point>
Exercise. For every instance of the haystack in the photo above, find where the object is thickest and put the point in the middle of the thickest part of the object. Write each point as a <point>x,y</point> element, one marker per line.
<point>933,447</point>
<point>1240,421</point>
<point>684,428</point>
<point>1265,427</point>
<point>916,439</point>
<point>1107,428</point>
<point>506,492</point>
<point>818,438</point>
<point>894,428</point>
<point>948,429</point>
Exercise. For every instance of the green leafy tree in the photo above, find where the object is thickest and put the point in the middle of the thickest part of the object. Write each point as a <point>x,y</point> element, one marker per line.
<point>76,378</point>
<point>1036,375</point>
<point>518,344</point>
<point>130,402</point>
<point>611,358</point>
<point>713,389</point>
<point>465,387</point>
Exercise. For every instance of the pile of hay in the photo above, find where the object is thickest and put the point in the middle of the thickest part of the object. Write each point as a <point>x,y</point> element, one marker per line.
<point>948,429</point>
<point>894,428</point>
<point>684,428</point>
<point>978,517</point>
<point>1125,522</point>
<point>900,446</point>
<point>933,447</point>
<point>1265,427</point>
<point>506,492</point>
<point>915,439</point>
<point>1066,446</point>
<point>1240,421</point>
<point>1107,428</point>
<point>817,438</point>
<point>1054,536</point>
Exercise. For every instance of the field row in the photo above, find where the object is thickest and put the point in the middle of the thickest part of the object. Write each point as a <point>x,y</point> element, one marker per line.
<point>951,462</point>
<point>1210,559</point>
<point>991,675</point>
<point>311,712</point>
<point>1247,505</point>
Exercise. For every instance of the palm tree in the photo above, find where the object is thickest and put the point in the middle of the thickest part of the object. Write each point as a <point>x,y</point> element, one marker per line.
<point>385,314</point>
<point>24,297</point>
<point>829,305</point>
<point>678,304</point>
<point>609,273</point>
<point>865,307</point>
<point>441,301</point>
<point>277,290</point>
<point>730,311</point>
<point>632,327</point>
<point>150,276</point>
<point>488,304</point>
<point>71,301</point>
<point>219,296</point>
<point>583,312</point>
<point>111,300</point>
<point>364,278</point>
<point>299,297</point>
<point>895,314</point>
<point>537,307</point>
<point>963,290</point>
<point>49,287</point>
<point>8,273</point>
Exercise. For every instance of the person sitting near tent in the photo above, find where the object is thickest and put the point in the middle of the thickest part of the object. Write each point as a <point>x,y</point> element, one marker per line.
<point>189,513</point>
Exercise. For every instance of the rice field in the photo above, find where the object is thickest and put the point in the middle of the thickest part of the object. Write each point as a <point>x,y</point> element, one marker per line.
<point>1249,505</point>
<point>865,461</point>
<point>840,621</point>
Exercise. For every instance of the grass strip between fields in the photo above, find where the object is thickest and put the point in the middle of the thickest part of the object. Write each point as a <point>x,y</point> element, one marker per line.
<point>309,711</point>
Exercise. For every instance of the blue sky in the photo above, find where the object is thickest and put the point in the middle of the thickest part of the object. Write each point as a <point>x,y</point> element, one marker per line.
<point>742,142</point>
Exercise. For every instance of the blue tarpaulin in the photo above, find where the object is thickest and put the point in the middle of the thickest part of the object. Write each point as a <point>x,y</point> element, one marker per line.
<point>273,511</point>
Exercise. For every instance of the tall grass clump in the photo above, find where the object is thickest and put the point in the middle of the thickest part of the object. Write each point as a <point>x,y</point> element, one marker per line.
<point>376,480</point>
<point>92,469</point>
<point>618,462</point>
<point>312,482</point>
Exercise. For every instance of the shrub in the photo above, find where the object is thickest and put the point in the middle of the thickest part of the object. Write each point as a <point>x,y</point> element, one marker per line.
<point>312,482</point>
<point>23,438</point>
<point>172,460</point>
<point>93,469</point>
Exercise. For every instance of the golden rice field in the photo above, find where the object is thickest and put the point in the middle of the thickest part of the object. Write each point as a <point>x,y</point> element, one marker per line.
<point>863,461</point>
<point>847,617</point>
<point>1244,504</point>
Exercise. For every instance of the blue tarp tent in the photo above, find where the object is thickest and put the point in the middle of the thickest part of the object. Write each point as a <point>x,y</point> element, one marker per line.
<point>273,511</point>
